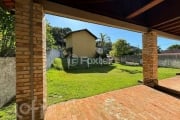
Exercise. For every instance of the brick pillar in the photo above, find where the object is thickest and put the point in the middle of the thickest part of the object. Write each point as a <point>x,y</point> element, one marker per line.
<point>150,59</point>
<point>30,60</point>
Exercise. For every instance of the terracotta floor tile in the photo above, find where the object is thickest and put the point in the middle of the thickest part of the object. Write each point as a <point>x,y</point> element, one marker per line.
<point>133,103</point>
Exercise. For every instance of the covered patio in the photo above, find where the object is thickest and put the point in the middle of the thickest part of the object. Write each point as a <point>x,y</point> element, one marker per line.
<point>135,103</point>
<point>153,18</point>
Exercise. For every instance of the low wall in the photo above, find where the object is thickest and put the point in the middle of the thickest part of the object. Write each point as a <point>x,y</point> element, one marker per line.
<point>7,79</point>
<point>169,60</point>
<point>164,60</point>
<point>50,56</point>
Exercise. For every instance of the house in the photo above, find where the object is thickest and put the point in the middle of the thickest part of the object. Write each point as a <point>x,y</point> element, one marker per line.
<point>81,43</point>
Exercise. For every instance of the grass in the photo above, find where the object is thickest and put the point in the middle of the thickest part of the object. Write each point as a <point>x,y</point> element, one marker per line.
<point>80,83</point>
<point>65,85</point>
<point>8,112</point>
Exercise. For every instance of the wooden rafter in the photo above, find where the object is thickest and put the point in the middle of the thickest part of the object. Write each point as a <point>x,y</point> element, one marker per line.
<point>166,22</point>
<point>174,23</point>
<point>176,30</point>
<point>172,28</point>
<point>144,9</point>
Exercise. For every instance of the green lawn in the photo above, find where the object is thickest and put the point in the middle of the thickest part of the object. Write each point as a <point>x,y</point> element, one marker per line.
<point>8,112</point>
<point>80,83</point>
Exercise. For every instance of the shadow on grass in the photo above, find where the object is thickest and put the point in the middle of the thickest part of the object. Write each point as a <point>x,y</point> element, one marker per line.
<point>91,69</point>
<point>83,68</point>
<point>131,71</point>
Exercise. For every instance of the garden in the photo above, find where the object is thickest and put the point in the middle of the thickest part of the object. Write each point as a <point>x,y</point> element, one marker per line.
<point>67,84</point>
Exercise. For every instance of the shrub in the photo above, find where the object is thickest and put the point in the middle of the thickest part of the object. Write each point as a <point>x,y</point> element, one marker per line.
<point>57,64</point>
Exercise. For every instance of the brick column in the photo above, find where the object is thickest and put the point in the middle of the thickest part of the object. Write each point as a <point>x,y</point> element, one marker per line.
<point>30,60</point>
<point>150,59</point>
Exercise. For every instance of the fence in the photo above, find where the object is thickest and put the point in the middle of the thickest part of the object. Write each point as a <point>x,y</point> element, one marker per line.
<point>7,79</point>
<point>164,60</point>
<point>51,55</point>
<point>169,60</point>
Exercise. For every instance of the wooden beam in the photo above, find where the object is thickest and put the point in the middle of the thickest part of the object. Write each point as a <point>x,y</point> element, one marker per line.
<point>161,14</point>
<point>73,13</point>
<point>174,23</point>
<point>172,28</point>
<point>175,30</point>
<point>144,9</point>
<point>166,22</point>
<point>178,32</point>
<point>166,35</point>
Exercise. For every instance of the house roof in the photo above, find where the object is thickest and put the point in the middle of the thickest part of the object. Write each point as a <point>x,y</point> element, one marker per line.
<point>80,31</point>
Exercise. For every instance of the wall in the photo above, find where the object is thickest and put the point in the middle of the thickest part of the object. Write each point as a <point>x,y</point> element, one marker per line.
<point>69,41</point>
<point>8,75</point>
<point>164,60</point>
<point>169,60</point>
<point>7,79</point>
<point>50,56</point>
<point>84,44</point>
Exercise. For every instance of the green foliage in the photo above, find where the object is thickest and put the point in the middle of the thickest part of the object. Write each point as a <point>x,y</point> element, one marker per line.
<point>159,50</point>
<point>57,64</point>
<point>174,47</point>
<point>80,83</point>
<point>104,42</point>
<point>50,42</point>
<point>7,35</point>
<point>59,34</point>
<point>8,112</point>
<point>134,51</point>
<point>55,36</point>
<point>120,47</point>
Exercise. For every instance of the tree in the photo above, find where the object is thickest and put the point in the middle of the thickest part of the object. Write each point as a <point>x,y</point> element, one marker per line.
<point>7,35</point>
<point>105,43</point>
<point>50,42</point>
<point>107,47</point>
<point>159,50</point>
<point>134,51</point>
<point>59,34</point>
<point>174,47</point>
<point>119,48</point>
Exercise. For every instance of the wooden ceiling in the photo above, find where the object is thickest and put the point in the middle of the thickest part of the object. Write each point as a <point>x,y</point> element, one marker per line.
<point>162,15</point>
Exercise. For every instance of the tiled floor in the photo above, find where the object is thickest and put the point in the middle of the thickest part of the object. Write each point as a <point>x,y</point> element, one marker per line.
<point>134,103</point>
<point>172,83</point>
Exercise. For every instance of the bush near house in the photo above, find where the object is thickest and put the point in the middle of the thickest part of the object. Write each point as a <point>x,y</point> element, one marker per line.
<point>57,64</point>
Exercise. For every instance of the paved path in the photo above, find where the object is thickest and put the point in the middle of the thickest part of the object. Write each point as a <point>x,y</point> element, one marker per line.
<point>172,83</point>
<point>134,103</point>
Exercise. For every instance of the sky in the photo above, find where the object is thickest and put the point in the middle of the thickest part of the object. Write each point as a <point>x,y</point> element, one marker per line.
<point>134,38</point>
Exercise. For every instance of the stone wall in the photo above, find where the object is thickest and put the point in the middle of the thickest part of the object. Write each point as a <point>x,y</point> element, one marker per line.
<point>7,80</point>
